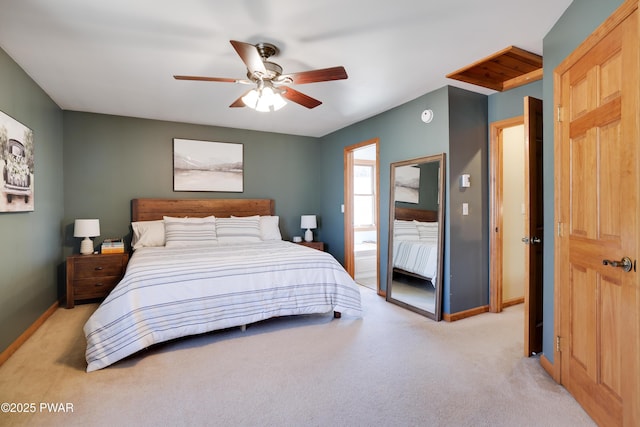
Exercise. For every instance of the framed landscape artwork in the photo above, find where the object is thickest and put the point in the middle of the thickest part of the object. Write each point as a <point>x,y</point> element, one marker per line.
<point>407,187</point>
<point>207,166</point>
<point>17,166</point>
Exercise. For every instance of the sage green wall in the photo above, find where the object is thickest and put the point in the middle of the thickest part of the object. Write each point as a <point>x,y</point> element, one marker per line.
<point>402,135</point>
<point>31,250</point>
<point>509,104</point>
<point>580,19</point>
<point>109,160</point>
<point>468,234</point>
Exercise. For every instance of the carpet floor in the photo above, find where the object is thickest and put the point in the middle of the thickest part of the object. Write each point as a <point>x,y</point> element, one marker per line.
<point>390,368</point>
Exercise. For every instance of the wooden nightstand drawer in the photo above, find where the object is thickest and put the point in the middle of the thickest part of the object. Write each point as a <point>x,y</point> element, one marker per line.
<point>94,287</point>
<point>98,266</point>
<point>93,276</point>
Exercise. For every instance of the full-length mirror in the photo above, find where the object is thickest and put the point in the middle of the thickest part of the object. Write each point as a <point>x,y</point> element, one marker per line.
<point>416,215</point>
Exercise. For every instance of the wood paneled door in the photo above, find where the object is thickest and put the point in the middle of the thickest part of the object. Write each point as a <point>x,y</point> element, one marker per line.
<point>597,204</point>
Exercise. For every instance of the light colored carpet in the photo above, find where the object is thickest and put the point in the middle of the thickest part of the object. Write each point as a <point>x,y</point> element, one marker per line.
<point>390,368</point>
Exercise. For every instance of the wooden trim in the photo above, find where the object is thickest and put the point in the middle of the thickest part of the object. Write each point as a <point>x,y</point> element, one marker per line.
<point>14,346</point>
<point>550,368</point>
<point>495,203</point>
<point>558,244</point>
<point>349,161</point>
<point>512,301</point>
<point>522,80</point>
<point>349,256</point>
<point>464,314</point>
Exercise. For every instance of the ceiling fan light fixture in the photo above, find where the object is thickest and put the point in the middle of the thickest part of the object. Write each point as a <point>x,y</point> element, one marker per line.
<point>264,99</point>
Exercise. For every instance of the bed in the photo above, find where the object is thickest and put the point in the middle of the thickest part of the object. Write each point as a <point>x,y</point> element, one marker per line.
<point>174,289</point>
<point>415,243</point>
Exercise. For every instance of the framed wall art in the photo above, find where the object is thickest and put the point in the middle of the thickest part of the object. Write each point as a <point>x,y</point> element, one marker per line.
<point>407,187</point>
<point>207,166</point>
<point>17,166</point>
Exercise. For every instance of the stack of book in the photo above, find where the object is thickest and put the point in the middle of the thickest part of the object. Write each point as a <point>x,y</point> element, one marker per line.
<point>112,246</point>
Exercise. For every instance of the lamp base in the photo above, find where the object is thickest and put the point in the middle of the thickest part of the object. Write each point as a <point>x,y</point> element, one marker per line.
<point>86,246</point>
<point>308,235</point>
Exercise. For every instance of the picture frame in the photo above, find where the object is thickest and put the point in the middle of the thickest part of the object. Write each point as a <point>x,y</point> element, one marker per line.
<point>407,185</point>
<point>17,166</point>
<point>208,166</point>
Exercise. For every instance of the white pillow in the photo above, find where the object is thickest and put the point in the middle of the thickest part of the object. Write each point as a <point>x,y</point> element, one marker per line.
<point>269,228</point>
<point>405,230</point>
<point>238,229</point>
<point>428,231</point>
<point>190,231</point>
<point>147,233</point>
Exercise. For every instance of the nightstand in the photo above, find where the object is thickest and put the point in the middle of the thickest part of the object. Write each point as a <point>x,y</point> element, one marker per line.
<point>93,276</point>
<point>315,245</point>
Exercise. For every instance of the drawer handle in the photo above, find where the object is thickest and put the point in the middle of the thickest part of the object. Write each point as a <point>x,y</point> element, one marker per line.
<point>99,268</point>
<point>98,284</point>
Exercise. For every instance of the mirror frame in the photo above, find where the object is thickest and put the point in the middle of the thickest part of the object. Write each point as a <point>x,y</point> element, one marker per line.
<point>437,314</point>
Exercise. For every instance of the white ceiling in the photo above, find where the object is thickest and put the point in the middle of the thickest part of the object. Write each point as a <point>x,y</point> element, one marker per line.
<point>119,56</point>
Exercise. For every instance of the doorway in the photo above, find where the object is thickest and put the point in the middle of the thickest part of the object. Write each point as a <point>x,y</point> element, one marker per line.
<point>508,213</point>
<point>362,259</point>
<point>516,219</point>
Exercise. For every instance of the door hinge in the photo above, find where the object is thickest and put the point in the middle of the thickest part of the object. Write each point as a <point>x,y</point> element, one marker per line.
<point>559,229</point>
<point>559,114</point>
<point>558,348</point>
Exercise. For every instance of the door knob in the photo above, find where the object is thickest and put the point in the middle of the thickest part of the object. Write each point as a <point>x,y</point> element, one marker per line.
<point>525,240</point>
<point>535,240</point>
<point>625,263</point>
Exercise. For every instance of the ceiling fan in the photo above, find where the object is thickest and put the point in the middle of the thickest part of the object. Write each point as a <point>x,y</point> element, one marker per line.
<point>269,80</point>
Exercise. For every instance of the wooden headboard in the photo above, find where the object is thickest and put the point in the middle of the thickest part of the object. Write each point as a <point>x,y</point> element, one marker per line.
<point>422,215</point>
<point>152,209</point>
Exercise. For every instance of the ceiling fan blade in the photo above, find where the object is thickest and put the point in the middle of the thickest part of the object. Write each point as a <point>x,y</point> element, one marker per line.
<point>206,79</point>
<point>313,76</point>
<point>299,97</point>
<point>238,102</point>
<point>250,56</point>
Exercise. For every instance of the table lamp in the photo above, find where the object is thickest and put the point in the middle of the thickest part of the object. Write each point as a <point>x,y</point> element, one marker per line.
<point>308,222</point>
<point>86,228</point>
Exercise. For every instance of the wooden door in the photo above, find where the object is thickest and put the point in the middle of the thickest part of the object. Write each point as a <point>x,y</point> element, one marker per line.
<point>534,226</point>
<point>597,205</point>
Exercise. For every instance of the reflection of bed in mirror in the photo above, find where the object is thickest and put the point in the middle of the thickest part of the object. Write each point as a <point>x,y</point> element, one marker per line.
<point>415,243</point>
<point>414,264</point>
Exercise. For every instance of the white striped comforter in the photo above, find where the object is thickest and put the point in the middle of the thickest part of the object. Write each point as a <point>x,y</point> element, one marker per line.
<point>169,293</point>
<point>417,257</point>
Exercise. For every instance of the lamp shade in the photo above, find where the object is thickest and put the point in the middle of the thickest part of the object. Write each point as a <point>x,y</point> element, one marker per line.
<point>264,98</point>
<point>86,228</point>
<point>308,221</point>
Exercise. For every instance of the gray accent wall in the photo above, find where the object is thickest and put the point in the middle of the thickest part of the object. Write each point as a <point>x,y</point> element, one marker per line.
<point>109,160</point>
<point>459,129</point>
<point>468,242</point>
<point>31,249</point>
<point>402,135</point>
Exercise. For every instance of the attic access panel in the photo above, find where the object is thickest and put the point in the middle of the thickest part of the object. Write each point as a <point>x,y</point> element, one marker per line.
<point>507,69</point>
